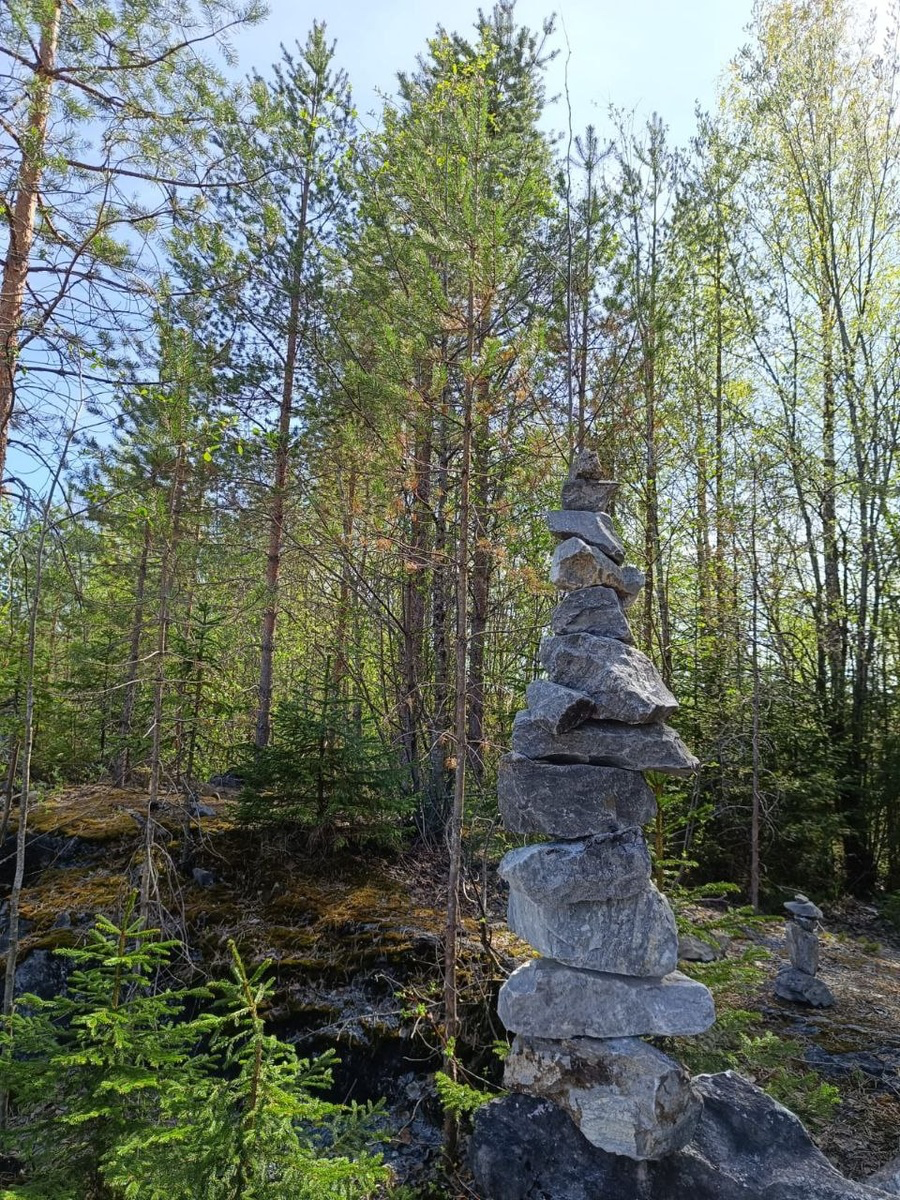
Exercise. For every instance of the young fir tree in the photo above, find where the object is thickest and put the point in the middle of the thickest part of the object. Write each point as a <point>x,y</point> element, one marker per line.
<point>117,1091</point>
<point>325,771</point>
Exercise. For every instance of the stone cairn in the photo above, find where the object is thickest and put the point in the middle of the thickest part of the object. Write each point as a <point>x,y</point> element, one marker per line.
<point>798,982</point>
<point>585,900</point>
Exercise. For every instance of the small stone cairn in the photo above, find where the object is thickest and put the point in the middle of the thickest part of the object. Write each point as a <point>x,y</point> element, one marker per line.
<point>798,982</point>
<point>585,900</point>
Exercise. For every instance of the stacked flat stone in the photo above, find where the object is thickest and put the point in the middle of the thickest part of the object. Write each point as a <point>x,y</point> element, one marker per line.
<point>798,982</point>
<point>585,900</point>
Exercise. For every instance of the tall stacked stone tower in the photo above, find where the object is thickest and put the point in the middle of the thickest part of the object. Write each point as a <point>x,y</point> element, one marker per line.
<point>585,900</point>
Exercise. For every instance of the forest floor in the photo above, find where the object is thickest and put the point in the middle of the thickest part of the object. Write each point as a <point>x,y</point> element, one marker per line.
<point>355,943</point>
<point>854,1046</point>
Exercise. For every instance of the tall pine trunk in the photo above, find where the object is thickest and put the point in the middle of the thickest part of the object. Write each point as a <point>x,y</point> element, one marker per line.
<point>280,479</point>
<point>461,691</point>
<point>22,219</point>
<point>163,619</point>
<point>413,603</point>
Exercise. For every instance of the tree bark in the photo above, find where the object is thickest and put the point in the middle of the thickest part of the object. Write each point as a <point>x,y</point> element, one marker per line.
<point>27,739</point>
<point>437,797</point>
<point>22,221</point>
<point>482,563</point>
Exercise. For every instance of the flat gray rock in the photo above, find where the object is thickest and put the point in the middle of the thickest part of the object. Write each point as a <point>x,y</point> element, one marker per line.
<point>595,528</point>
<point>570,801</point>
<point>545,999</point>
<point>801,907</point>
<point>559,708</point>
<point>624,1096</point>
<point>575,564</point>
<point>623,683</point>
<point>636,936</point>
<point>590,495</point>
<point>746,1146</point>
<point>694,949</point>
<point>653,747</point>
<point>803,948</point>
<point>596,610</point>
<point>611,866</point>
<point>800,988</point>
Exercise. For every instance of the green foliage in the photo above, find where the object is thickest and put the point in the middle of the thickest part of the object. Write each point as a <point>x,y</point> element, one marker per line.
<point>718,1048</point>
<point>890,909</point>
<point>713,889</point>
<point>806,1094</point>
<point>117,1091</point>
<point>500,1049</point>
<point>327,771</point>
<point>732,974</point>
<point>460,1099</point>
<point>738,1042</point>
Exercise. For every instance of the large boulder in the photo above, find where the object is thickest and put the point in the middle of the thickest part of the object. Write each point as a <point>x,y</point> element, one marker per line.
<point>525,1148</point>
<point>611,866</point>
<point>887,1177</point>
<point>570,801</point>
<point>746,1147</point>
<point>634,579</point>
<point>622,682</point>
<point>586,488</point>
<point>624,1096</point>
<point>801,906</point>
<point>636,936</point>
<point>696,949</point>
<point>588,494</point>
<point>595,528</point>
<point>545,999</point>
<point>586,464</point>
<point>42,973</point>
<point>652,747</point>
<point>596,610</point>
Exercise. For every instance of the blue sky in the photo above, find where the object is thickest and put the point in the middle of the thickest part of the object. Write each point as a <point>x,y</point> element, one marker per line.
<point>653,55</point>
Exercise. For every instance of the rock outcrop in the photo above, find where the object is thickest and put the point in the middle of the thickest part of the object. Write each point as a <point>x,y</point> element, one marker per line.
<point>887,1177</point>
<point>745,1146</point>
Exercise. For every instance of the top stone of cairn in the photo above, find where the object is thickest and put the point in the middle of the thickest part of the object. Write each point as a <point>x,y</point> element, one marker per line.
<point>586,488</point>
